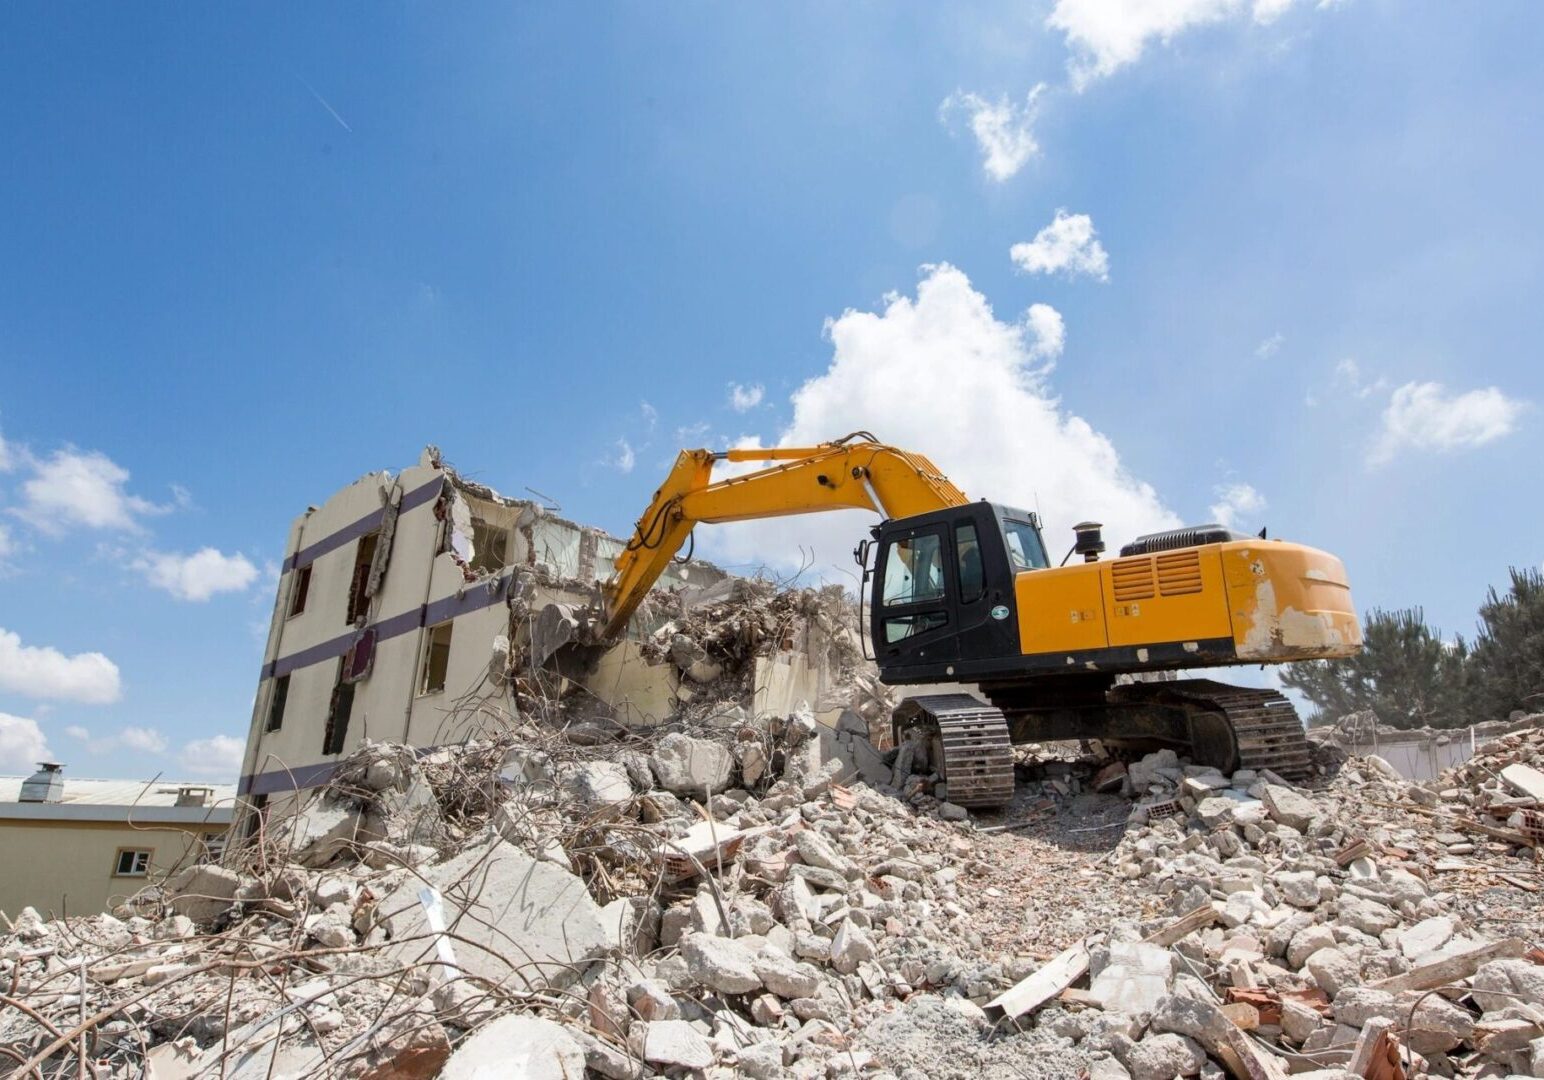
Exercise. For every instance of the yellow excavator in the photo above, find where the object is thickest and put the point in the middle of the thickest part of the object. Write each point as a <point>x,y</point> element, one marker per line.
<point>964,592</point>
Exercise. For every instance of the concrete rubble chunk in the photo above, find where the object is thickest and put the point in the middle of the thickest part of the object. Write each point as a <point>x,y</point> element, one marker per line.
<point>519,922</point>
<point>690,766</point>
<point>1289,807</point>
<point>1165,1056</point>
<point>600,786</point>
<point>850,947</point>
<point>203,892</point>
<point>720,963</point>
<point>1135,978</point>
<point>320,832</point>
<point>785,977</point>
<point>1425,937</point>
<point>526,1046</point>
<point>674,1043</point>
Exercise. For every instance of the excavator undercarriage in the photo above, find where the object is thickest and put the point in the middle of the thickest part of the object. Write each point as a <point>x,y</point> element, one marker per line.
<point>970,744</point>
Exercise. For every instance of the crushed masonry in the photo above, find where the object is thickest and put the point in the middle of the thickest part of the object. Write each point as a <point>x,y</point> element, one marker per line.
<point>743,893</point>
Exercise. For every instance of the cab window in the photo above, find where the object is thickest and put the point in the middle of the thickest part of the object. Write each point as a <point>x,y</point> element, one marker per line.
<point>968,551</point>
<point>914,570</point>
<point>1025,549</point>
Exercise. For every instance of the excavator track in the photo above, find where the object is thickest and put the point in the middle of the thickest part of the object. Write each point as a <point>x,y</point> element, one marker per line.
<point>969,746</point>
<point>1265,726</point>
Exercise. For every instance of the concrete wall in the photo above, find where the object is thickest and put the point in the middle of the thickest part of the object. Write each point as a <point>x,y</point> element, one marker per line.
<point>428,580</point>
<point>69,864</point>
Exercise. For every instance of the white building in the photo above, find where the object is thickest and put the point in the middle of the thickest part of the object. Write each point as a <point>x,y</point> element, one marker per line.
<point>398,599</point>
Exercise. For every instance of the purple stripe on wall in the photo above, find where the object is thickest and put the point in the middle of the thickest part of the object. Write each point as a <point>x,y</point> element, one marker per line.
<point>303,776</point>
<point>367,524</point>
<point>395,626</point>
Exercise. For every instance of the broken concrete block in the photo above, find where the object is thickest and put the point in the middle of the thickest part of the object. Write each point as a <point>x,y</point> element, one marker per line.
<point>1517,977</point>
<point>600,787</point>
<point>671,1043</point>
<point>1289,808</point>
<point>1135,978</point>
<point>850,947</point>
<point>519,1045</point>
<point>784,976</point>
<point>689,766</point>
<point>319,831</point>
<point>203,892</point>
<point>639,693</point>
<point>1425,937</point>
<point>519,922</point>
<point>722,964</point>
<point>631,924</point>
<point>1163,1057</point>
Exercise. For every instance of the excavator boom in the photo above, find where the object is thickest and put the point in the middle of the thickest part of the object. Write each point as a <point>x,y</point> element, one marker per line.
<point>854,472</point>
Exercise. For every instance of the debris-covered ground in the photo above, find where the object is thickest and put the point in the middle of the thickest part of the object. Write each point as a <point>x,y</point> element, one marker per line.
<point>724,896</point>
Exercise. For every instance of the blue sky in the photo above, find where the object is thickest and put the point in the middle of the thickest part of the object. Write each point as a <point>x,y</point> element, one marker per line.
<point>251,253</point>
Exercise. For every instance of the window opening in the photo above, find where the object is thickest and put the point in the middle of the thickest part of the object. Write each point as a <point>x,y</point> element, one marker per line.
<point>131,862</point>
<point>489,546</point>
<point>436,658</point>
<point>338,712</point>
<point>302,590</point>
<point>276,703</point>
<point>359,585</point>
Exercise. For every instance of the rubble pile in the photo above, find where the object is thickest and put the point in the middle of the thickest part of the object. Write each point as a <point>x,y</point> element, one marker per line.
<point>727,897</point>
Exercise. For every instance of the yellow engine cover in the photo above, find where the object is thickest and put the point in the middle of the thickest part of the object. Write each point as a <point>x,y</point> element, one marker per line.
<point>1248,601</point>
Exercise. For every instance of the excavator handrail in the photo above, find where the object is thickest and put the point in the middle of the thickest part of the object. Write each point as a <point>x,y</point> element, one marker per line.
<point>854,472</point>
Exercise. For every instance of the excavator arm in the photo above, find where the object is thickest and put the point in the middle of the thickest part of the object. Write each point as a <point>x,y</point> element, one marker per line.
<point>853,472</point>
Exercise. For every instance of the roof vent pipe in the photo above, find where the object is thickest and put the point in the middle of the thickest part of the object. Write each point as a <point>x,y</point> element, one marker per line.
<point>46,785</point>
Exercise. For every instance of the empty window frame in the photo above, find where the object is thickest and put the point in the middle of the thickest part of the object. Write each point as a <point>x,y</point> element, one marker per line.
<point>490,545</point>
<point>336,732</point>
<point>436,661</point>
<point>214,847</point>
<point>301,590</point>
<point>359,584</point>
<point>132,862</point>
<point>276,703</point>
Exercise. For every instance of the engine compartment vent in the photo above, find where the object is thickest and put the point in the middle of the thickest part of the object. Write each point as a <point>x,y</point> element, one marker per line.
<point>1179,573</point>
<point>1133,580</point>
<point>1189,536</point>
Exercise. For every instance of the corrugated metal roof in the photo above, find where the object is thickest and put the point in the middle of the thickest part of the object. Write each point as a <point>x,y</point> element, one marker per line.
<point>85,792</point>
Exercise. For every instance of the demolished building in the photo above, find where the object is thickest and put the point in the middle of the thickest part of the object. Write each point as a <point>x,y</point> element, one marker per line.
<point>407,603</point>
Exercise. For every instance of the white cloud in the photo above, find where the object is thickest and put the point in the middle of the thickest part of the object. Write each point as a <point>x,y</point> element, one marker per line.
<point>650,415</point>
<point>1270,346</point>
<point>1348,375</point>
<point>941,375</point>
<point>146,740</point>
<point>75,487</point>
<point>745,398</point>
<point>1234,500</point>
<point>218,756</point>
<point>7,457</point>
<point>1425,416</point>
<point>7,543</point>
<point>1004,131</point>
<point>22,744</point>
<point>624,459</point>
<point>1067,245</point>
<point>78,733</point>
<point>197,576</point>
<point>45,672</point>
<point>1050,332</point>
<point>1106,35</point>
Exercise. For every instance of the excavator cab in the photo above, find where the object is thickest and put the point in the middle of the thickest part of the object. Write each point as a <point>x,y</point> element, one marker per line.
<point>941,601</point>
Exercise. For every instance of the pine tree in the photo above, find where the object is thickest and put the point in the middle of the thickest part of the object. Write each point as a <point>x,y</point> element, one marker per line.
<point>1506,666</point>
<point>1405,674</point>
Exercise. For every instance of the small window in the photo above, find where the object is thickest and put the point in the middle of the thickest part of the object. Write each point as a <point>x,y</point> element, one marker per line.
<point>899,629</point>
<point>914,570</point>
<point>301,591</point>
<point>1025,549</point>
<point>276,703</point>
<point>359,584</point>
<point>436,658</point>
<point>336,732</point>
<point>489,546</point>
<point>968,551</point>
<point>131,862</point>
